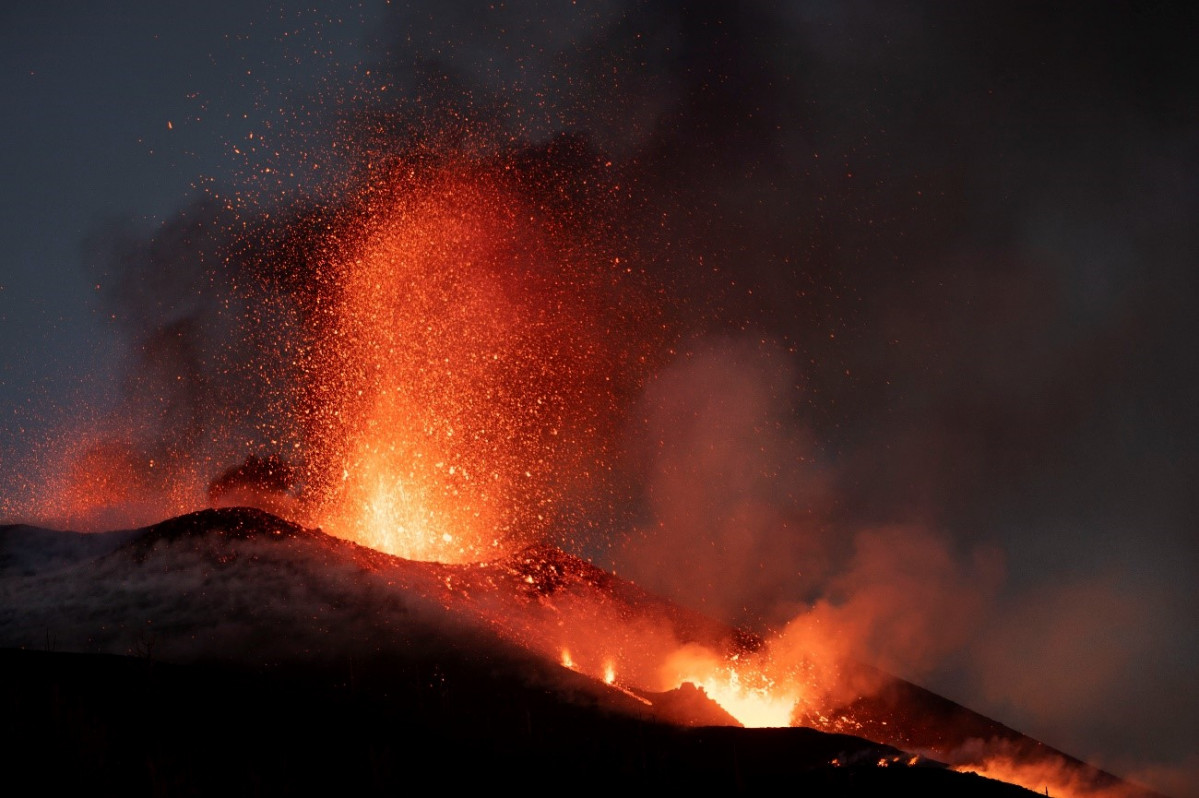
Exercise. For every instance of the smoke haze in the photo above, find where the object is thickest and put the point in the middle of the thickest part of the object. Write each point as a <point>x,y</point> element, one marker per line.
<point>927,296</point>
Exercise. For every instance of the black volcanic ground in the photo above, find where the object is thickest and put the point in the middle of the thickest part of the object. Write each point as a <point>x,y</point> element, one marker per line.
<point>231,652</point>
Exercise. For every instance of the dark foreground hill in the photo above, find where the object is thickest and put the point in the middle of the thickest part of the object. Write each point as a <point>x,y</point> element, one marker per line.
<point>101,724</point>
<point>232,652</point>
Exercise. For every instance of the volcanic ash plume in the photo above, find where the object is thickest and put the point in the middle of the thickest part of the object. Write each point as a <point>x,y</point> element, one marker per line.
<point>836,302</point>
<point>433,360</point>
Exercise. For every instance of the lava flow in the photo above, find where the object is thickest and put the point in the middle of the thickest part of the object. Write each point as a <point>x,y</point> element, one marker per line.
<point>741,688</point>
<point>468,336</point>
<point>461,373</point>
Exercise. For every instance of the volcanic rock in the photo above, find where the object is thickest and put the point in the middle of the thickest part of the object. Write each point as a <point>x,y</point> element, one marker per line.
<point>322,664</point>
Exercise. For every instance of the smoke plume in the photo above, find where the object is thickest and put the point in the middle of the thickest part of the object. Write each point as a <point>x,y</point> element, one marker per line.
<point>907,306</point>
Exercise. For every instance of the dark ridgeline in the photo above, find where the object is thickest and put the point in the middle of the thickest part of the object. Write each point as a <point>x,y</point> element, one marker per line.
<point>265,658</point>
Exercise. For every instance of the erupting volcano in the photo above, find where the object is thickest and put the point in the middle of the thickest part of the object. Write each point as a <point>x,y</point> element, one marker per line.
<point>462,352</point>
<point>536,656</point>
<point>546,414</point>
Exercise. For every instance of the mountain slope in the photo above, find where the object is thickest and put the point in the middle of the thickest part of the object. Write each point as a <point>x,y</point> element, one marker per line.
<point>354,667</point>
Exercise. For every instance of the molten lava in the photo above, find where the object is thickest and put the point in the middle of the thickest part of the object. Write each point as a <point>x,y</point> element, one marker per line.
<point>464,363</point>
<point>743,686</point>
<point>466,346</point>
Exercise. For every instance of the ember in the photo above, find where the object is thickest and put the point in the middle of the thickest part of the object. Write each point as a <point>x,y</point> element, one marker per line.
<point>514,311</point>
<point>459,368</point>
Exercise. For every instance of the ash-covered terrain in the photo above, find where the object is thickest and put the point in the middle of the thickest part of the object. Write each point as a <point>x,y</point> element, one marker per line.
<point>230,651</point>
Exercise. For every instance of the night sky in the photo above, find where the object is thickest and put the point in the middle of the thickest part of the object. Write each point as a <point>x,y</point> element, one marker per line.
<point>933,267</point>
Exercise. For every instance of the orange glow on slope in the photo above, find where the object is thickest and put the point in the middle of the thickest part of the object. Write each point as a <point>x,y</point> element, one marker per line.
<point>1049,775</point>
<point>742,689</point>
<point>97,481</point>
<point>609,673</point>
<point>1030,777</point>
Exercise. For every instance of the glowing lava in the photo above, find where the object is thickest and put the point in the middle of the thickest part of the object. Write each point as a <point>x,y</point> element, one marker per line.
<point>609,673</point>
<point>462,365</point>
<point>743,690</point>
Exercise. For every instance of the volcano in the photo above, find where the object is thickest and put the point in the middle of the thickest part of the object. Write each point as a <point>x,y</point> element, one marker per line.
<point>230,650</point>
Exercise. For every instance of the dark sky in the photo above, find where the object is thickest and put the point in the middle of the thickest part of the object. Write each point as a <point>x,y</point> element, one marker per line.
<point>945,251</point>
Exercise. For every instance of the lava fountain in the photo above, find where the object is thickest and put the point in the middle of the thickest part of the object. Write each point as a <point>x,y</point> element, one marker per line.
<point>466,352</point>
<point>468,336</point>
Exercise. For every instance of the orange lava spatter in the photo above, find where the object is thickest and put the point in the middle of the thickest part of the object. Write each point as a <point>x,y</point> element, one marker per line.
<point>464,361</point>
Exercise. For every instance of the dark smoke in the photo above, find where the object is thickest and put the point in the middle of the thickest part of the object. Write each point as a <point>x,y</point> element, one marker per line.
<point>968,227</point>
<point>927,269</point>
<point>209,372</point>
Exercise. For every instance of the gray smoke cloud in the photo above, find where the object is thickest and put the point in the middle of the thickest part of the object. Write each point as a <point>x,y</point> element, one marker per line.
<point>967,228</point>
<point>930,272</point>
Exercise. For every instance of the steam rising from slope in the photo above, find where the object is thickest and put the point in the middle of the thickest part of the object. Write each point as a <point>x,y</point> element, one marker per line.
<point>908,285</point>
